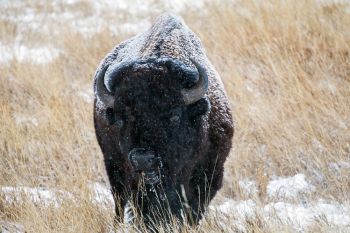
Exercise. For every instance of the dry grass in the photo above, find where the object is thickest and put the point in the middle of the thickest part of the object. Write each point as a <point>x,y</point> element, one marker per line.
<point>286,69</point>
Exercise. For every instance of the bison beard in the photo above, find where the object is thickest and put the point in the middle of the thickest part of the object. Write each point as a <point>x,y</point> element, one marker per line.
<point>163,122</point>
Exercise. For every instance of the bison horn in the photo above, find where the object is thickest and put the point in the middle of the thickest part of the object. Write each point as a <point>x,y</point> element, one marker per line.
<point>103,95</point>
<point>195,93</point>
<point>115,72</point>
<point>106,82</point>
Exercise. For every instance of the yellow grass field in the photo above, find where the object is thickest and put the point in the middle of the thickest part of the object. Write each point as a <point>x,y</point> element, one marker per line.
<point>285,66</point>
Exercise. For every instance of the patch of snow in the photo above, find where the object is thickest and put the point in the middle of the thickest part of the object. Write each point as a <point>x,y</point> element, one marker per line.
<point>131,28</point>
<point>25,120</point>
<point>302,216</point>
<point>288,187</point>
<point>330,2</point>
<point>244,12</point>
<point>71,2</point>
<point>242,209</point>
<point>328,85</point>
<point>336,167</point>
<point>22,53</point>
<point>128,213</point>
<point>87,95</point>
<point>181,5</point>
<point>11,227</point>
<point>299,216</point>
<point>237,211</point>
<point>102,194</point>
<point>88,26</point>
<point>6,54</point>
<point>42,196</point>
<point>39,55</point>
<point>249,187</point>
<point>252,87</point>
<point>318,145</point>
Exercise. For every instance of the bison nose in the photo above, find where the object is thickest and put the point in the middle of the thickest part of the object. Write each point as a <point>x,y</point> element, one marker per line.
<point>142,160</point>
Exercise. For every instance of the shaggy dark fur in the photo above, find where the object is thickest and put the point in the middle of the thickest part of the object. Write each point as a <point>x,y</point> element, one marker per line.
<point>158,151</point>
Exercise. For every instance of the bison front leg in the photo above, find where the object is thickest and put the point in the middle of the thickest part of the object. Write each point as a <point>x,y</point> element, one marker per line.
<point>116,177</point>
<point>205,182</point>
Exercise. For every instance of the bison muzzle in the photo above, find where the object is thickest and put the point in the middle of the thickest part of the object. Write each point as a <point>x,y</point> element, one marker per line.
<point>163,122</point>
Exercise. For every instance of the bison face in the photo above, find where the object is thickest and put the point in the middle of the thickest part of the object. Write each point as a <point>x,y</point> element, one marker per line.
<point>154,126</point>
<point>157,108</point>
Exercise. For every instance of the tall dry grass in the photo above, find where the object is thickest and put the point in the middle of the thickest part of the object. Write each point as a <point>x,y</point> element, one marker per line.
<point>286,69</point>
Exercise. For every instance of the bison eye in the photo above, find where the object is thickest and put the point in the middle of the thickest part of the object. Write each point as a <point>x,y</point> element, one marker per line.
<point>119,123</point>
<point>175,119</point>
<point>109,116</point>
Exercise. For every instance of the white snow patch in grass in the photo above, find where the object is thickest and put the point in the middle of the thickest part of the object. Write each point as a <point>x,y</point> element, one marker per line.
<point>102,194</point>
<point>87,95</point>
<point>42,196</point>
<point>6,54</point>
<point>181,5</point>
<point>22,53</point>
<point>288,187</point>
<point>248,187</point>
<point>299,216</point>
<point>88,26</point>
<point>71,2</point>
<point>39,55</point>
<point>302,216</point>
<point>11,227</point>
<point>339,168</point>
<point>25,120</point>
<point>328,85</point>
<point>238,213</point>
<point>131,28</point>
<point>241,209</point>
<point>336,167</point>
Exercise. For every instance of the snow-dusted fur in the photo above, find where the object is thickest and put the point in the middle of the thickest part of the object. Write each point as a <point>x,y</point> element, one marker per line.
<point>192,148</point>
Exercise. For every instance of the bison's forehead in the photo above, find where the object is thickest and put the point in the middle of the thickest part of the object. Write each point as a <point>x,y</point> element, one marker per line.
<point>146,90</point>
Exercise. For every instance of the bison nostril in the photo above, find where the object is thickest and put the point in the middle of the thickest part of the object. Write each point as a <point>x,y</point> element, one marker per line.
<point>142,159</point>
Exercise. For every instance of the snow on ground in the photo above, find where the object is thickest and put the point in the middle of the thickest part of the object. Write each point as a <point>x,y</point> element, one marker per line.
<point>288,187</point>
<point>89,19</point>
<point>10,227</point>
<point>336,167</point>
<point>40,196</point>
<point>86,94</point>
<point>25,120</point>
<point>303,215</point>
<point>103,14</point>
<point>101,194</point>
<point>22,53</point>
<point>236,211</point>
<point>300,215</point>
<point>248,187</point>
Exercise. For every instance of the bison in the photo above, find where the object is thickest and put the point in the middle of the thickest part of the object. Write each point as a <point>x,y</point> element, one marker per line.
<point>163,122</point>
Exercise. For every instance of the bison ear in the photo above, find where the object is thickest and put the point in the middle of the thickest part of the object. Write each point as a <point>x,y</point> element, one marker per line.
<point>109,116</point>
<point>199,108</point>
